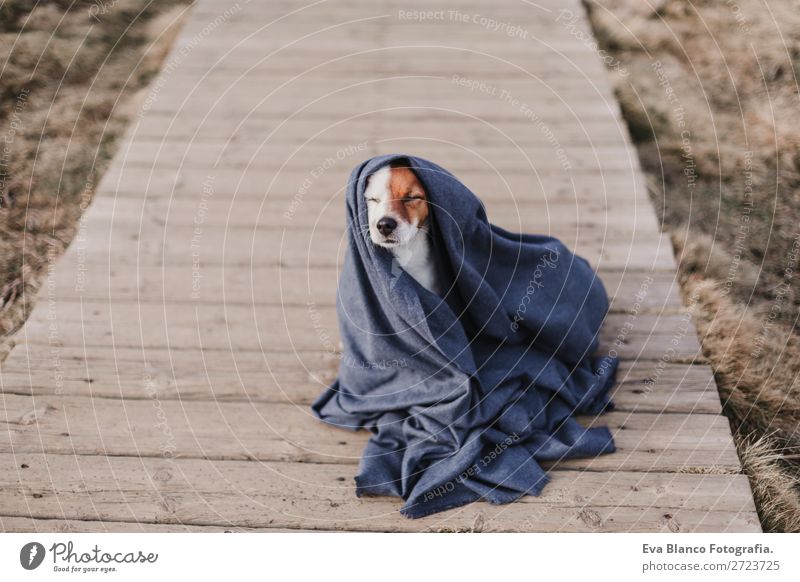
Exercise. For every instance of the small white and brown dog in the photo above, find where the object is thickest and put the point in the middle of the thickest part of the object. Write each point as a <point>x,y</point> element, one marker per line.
<point>399,220</point>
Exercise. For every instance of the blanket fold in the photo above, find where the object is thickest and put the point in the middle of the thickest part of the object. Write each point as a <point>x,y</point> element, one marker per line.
<point>466,394</point>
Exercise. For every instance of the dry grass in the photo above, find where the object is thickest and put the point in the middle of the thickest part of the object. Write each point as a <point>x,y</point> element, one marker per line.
<point>775,489</point>
<point>711,99</point>
<point>69,74</point>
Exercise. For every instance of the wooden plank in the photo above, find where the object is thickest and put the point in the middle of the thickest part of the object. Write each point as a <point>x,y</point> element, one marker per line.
<point>540,91</point>
<point>127,244</point>
<point>400,62</point>
<point>353,99</point>
<point>341,38</point>
<point>491,187</point>
<point>643,292</point>
<point>393,21</point>
<point>255,495</point>
<point>270,157</point>
<point>316,213</point>
<point>536,87</point>
<point>260,10</point>
<point>376,125</point>
<point>425,58</point>
<point>63,525</point>
<point>287,432</point>
<point>317,23</point>
<point>294,328</point>
<point>129,373</point>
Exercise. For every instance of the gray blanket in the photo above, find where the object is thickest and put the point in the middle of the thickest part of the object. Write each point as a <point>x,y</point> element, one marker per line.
<point>466,394</point>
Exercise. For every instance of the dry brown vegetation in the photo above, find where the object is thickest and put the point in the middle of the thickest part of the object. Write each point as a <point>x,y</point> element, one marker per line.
<point>69,76</point>
<point>711,99</point>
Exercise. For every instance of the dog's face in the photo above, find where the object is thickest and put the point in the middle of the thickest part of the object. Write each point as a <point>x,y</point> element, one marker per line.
<point>397,206</point>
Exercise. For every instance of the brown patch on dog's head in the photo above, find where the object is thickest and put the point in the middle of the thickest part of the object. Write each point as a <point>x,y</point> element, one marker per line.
<point>409,200</point>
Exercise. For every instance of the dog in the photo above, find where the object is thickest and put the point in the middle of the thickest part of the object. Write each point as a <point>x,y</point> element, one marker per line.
<point>399,220</point>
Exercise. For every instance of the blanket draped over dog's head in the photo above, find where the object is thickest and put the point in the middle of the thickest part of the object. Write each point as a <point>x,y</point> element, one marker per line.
<point>465,394</point>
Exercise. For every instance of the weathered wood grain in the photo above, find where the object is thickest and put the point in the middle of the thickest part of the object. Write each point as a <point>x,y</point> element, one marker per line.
<point>215,375</point>
<point>324,212</point>
<point>269,157</point>
<point>288,432</point>
<point>78,525</point>
<point>291,328</point>
<point>122,243</point>
<point>641,292</point>
<point>379,124</point>
<point>254,495</point>
<point>253,182</point>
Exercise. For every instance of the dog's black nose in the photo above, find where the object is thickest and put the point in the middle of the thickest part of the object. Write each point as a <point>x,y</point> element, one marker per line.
<point>386,225</point>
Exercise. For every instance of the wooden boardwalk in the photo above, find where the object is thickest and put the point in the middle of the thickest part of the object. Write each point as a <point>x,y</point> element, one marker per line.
<point>163,381</point>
